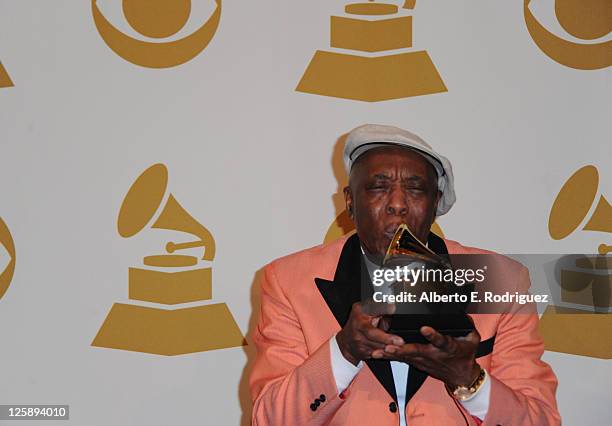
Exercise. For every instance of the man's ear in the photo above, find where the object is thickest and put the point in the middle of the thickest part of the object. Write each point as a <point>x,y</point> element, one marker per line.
<point>438,196</point>
<point>348,200</point>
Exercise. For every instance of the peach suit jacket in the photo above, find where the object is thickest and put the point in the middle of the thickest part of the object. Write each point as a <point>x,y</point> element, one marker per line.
<point>306,298</point>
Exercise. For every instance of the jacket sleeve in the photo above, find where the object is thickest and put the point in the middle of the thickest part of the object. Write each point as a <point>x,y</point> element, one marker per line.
<point>287,378</point>
<point>522,385</point>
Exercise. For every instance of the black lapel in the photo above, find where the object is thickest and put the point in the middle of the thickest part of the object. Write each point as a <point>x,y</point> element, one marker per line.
<point>343,291</point>
<point>485,347</point>
<point>436,244</point>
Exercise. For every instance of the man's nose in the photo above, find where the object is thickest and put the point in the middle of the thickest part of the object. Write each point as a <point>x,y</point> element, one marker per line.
<point>397,204</point>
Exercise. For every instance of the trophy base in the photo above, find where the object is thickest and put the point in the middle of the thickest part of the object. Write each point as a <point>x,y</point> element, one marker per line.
<point>371,79</point>
<point>169,332</point>
<point>408,327</point>
<point>575,332</point>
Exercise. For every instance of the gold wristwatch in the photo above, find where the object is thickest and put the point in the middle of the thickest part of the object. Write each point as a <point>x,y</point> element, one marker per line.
<point>465,393</point>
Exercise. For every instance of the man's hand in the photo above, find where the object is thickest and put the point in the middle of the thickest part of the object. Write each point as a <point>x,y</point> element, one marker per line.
<point>450,359</point>
<point>363,337</point>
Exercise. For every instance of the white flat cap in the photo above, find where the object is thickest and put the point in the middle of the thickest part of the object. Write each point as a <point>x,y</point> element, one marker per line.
<point>369,136</point>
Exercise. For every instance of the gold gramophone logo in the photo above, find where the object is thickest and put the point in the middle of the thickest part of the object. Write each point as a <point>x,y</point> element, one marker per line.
<point>157,19</point>
<point>588,282</point>
<point>169,280</point>
<point>5,79</point>
<point>573,203</point>
<point>7,269</point>
<point>587,20</point>
<point>372,30</point>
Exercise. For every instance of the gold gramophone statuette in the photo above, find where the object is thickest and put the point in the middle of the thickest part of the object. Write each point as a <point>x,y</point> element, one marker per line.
<point>406,320</point>
<point>405,243</point>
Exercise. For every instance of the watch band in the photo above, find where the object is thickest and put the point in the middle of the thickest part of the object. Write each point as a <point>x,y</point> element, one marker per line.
<point>465,393</point>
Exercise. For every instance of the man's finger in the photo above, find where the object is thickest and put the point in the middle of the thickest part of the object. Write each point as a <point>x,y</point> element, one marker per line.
<point>378,354</point>
<point>357,309</point>
<point>379,336</point>
<point>473,337</point>
<point>437,339</point>
<point>385,323</point>
<point>408,350</point>
<point>406,353</point>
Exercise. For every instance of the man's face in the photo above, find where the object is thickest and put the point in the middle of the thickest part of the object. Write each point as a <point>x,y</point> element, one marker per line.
<point>389,186</point>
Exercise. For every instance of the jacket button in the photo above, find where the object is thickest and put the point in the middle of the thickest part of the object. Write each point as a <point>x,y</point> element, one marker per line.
<point>392,407</point>
<point>322,398</point>
<point>317,402</point>
<point>313,407</point>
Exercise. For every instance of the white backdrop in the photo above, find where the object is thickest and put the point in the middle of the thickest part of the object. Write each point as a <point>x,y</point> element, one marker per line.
<point>251,159</point>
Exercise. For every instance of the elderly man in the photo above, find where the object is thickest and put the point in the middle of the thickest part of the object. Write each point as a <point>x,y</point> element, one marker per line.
<point>322,360</point>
